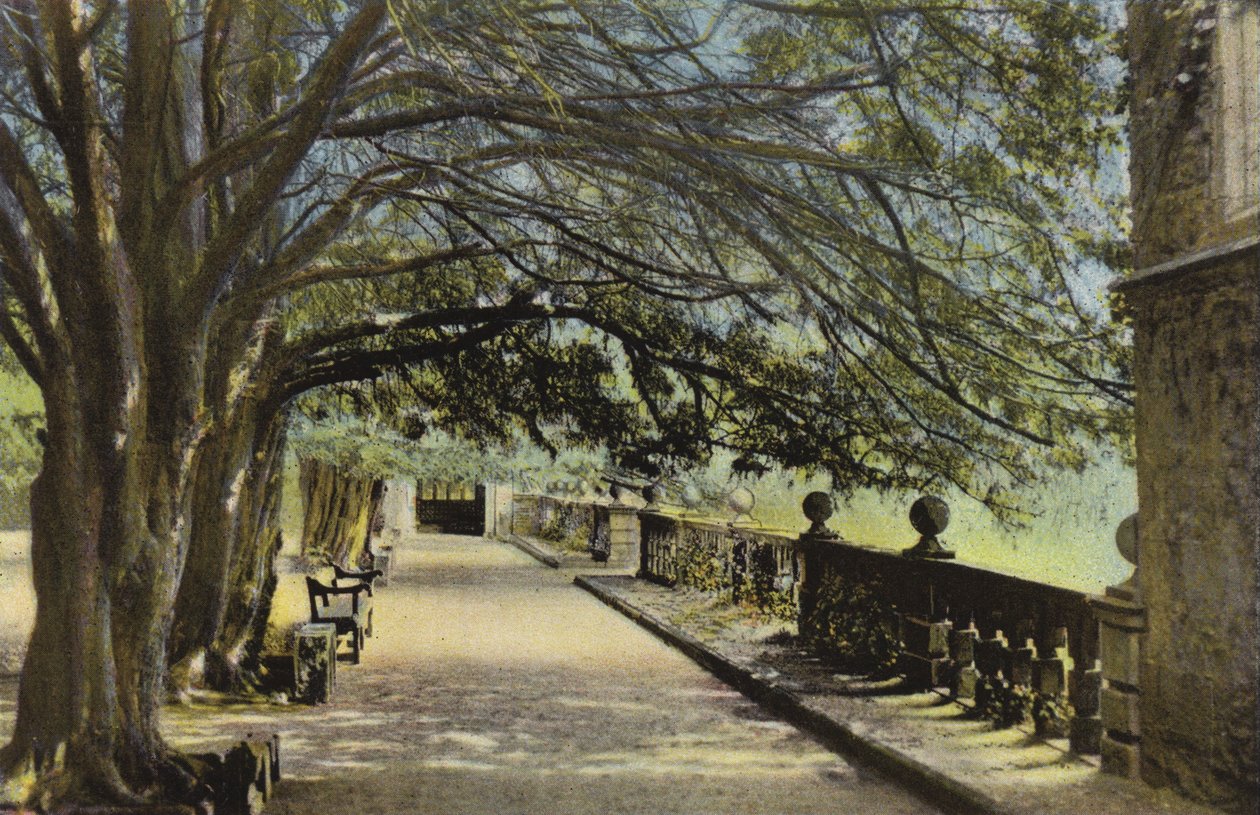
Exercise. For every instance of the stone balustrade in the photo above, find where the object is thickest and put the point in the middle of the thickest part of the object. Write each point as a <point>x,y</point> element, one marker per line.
<point>1009,646</point>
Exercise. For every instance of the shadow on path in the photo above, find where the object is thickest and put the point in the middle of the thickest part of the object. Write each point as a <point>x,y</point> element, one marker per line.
<point>493,685</point>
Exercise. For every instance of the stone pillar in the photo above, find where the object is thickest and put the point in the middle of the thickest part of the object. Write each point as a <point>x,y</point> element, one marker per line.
<point>1194,303</point>
<point>623,536</point>
<point>398,507</point>
<point>818,509</point>
<point>499,508</point>
<point>1086,730</point>
<point>383,560</point>
<point>1123,623</point>
<point>524,514</point>
<point>315,663</point>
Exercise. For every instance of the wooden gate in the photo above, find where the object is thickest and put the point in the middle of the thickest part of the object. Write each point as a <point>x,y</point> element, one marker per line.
<point>454,507</point>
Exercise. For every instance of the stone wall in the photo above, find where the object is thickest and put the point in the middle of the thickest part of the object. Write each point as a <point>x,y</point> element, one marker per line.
<point>1197,373</point>
<point>1185,120</point>
<point>1195,306</point>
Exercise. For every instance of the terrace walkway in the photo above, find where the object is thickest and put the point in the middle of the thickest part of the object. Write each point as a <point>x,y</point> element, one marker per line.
<point>494,684</point>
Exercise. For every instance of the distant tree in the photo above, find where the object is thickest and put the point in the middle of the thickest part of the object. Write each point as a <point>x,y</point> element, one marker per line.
<point>21,418</point>
<point>838,234</point>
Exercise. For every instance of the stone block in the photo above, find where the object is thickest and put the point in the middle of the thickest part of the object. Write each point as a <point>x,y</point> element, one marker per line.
<point>315,663</point>
<point>923,672</point>
<point>1121,655</point>
<point>962,645</point>
<point>1121,758</point>
<point>925,638</point>
<point>383,560</point>
<point>938,638</point>
<point>1120,712</point>
<point>1085,735</point>
<point>1050,677</point>
<point>245,782</point>
<point>624,535</point>
<point>1022,666</point>
<point>1086,692</point>
<point>965,679</point>
<point>272,741</point>
<point>992,655</point>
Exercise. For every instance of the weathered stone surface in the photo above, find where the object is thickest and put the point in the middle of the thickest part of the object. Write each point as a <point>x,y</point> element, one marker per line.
<point>1022,665</point>
<point>1086,691</point>
<point>1196,372</point>
<point>623,535</point>
<point>315,663</point>
<point>245,782</point>
<point>938,638</point>
<point>925,638</point>
<point>384,560</point>
<point>965,682</point>
<point>993,655</point>
<point>962,645</point>
<point>1085,735</point>
<point>1121,655</point>
<point>1120,712</point>
<point>1120,758</point>
<point>1050,676</point>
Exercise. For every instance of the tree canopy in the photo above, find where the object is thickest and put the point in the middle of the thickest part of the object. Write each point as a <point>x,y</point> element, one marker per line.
<point>839,234</point>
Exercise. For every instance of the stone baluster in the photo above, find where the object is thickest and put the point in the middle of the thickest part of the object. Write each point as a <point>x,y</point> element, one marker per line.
<point>1085,732</point>
<point>962,650</point>
<point>818,509</point>
<point>1122,620</point>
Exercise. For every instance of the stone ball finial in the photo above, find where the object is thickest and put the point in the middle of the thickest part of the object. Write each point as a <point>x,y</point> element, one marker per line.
<point>741,501</point>
<point>614,492</point>
<point>1127,544</point>
<point>818,508</point>
<point>1126,539</point>
<point>929,516</point>
<point>652,494</point>
<point>691,497</point>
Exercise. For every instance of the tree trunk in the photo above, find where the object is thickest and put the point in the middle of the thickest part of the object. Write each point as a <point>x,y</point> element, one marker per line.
<point>234,539</point>
<point>339,510</point>
<point>107,550</point>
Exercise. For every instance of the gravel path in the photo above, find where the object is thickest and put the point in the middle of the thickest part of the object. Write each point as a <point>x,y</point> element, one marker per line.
<point>493,685</point>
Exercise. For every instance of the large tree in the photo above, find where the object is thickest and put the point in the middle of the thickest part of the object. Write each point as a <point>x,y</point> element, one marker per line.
<point>841,234</point>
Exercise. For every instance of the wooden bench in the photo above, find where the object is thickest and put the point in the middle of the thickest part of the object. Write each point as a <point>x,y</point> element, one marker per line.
<point>349,608</point>
<point>367,576</point>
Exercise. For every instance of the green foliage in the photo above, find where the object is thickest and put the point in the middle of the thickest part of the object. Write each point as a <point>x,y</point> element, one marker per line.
<point>1007,705</point>
<point>758,585</point>
<point>21,416</point>
<point>569,526</point>
<point>897,306</point>
<point>1001,702</point>
<point>849,625</point>
<point>1051,715</point>
<point>377,451</point>
<point>698,563</point>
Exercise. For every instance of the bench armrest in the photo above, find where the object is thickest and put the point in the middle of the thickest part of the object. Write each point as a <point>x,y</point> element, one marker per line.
<point>367,575</point>
<point>316,589</point>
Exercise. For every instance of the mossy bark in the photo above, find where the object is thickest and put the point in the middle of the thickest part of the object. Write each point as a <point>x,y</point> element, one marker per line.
<point>230,575</point>
<point>339,509</point>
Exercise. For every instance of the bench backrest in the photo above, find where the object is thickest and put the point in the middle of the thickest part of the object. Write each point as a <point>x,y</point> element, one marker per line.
<point>317,590</point>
